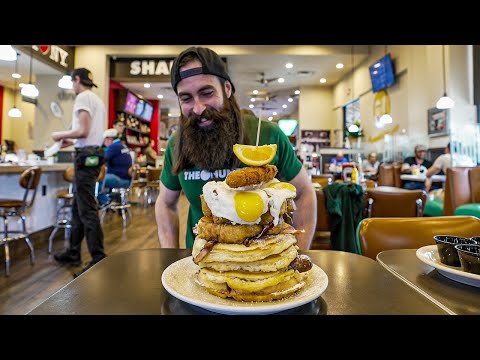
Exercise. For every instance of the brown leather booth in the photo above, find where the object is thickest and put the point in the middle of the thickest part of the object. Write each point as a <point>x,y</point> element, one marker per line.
<point>389,175</point>
<point>323,180</point>
<point>379,234</point>
<point>462,186</point>
<point>388,201</point>
<point>321,239</point>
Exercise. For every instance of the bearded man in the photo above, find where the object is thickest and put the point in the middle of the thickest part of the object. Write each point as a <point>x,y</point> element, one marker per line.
<point>202,148</point>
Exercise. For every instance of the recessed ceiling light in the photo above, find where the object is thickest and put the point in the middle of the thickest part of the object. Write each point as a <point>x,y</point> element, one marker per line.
<point>251,106</point>
<point>160,96</point>
<point>297,92</point>
<point>323,80</point>
<point>339,66</point>
<point>290,99</point>
<point>255,92</point>
<point>252,99</point>
<point>274,113</point>
<point>146,85</point>
<point>16,76</point>
<point>270,118</point>
<point>281,80</point>
<point>284,106</point>
<point>289,65</point>
<point>170,114</point>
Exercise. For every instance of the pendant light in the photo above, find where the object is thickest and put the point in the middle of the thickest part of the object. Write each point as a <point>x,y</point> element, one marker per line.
<point>7,53</point>
<point>444,102</point>
<point>14,112</point>
<point>29,89</point>
<point>386,118</point>
<point>65,82</point>
<point>353,128</point>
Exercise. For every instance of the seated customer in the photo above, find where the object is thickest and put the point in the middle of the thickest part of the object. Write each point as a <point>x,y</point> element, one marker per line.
<point>118,161</point>
<point>416,163</point>
<point>370,166</point>
<point>445,161</point>
<point>336,164</point>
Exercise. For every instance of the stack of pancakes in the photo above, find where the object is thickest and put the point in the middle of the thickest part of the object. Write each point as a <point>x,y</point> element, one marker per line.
<point>244,248</point>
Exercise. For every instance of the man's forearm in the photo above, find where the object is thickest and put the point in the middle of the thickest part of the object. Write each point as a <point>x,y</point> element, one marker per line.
<point>305,217</point>
<point>167,225</point>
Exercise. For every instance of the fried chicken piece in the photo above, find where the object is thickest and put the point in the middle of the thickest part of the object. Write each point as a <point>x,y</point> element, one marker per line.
<point>251,176</point>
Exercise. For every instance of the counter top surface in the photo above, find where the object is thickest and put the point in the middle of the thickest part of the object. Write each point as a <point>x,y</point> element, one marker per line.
<point>9,168</point>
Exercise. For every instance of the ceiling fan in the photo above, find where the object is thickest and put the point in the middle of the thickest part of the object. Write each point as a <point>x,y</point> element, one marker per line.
<point>264,81</point>
<point>264,97</point>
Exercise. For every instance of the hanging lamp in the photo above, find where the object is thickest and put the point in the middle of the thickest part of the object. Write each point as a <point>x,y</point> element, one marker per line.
<point>29,89</point>
<point>14,112</point>
<point>444,102</point>
<point>386,118</point>
<point>7,53</point>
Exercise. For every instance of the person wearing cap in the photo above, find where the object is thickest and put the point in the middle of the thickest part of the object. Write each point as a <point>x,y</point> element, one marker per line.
<point>118,161</point>
<point>86,135</point>
<point>416,165</point>
<point>201,150</point>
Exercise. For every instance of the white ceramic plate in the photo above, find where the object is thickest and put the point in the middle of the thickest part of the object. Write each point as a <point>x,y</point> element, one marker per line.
<point>178,280</point>
<point>429,255</point>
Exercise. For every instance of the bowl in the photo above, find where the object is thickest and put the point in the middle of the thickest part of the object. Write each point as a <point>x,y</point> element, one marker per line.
<point>469,257</point>
<point>446,248</point>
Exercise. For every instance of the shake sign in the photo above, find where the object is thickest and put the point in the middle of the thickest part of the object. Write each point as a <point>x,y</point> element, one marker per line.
<point>55,53</point>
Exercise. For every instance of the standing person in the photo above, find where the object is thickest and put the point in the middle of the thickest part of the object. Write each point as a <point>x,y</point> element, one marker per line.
<point>86,135</point>
<point>202,148</point>
<point>118,161</point>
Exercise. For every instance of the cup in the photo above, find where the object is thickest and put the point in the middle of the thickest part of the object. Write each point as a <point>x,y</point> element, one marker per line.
<point>469,257</point>
<point>446,248</point>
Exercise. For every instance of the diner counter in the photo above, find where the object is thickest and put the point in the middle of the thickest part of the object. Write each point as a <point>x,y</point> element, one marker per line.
<point>42,214</point>
<point>130,283</point>
<point>9,168</point>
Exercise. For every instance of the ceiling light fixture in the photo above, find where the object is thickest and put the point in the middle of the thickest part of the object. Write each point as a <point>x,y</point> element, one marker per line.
<point>270,118</point>
<point>8,53</point>
<point>251,106</point>
<point>160,96</point>
<point>444,102</point>
<point>339,66</point>
<point>14,112</point>
<point>281,80</point>
<point>323,80</point>
<point>297,92</point>
<point>29,89</point>
<point>284,106</point>
<point>16,75</point>
<point>386,118</point>
<point>146,85</point>
<point>290,99</point>
<point>289,65</point>
<point>65,82</point>
<point>255,92</point>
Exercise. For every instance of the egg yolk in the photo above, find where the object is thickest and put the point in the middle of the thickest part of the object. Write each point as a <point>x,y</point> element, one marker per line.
<point>248,205</point>
<point>282,185</point>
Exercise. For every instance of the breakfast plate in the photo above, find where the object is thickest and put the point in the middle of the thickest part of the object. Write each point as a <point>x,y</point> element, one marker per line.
<point>178,280</point>
<point>429,255</point>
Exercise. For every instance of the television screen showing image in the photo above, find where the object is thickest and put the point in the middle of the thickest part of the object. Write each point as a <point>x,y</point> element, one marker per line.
<point>140,107</point>
<point>131,103</point>
<point>147,112</point>
<point>382,74</point>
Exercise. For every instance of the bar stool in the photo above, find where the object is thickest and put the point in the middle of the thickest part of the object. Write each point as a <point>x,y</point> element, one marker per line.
<point>152,185</point>
<point>64,213</point>
<point>120,198</point>
<point>29,180</point>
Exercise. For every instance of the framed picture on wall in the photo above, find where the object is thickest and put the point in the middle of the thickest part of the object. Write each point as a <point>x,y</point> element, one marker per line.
<point>437,122</point>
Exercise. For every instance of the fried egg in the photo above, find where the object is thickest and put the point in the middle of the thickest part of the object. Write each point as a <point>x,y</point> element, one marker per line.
<point>240,207</point>
<point>278,192</point>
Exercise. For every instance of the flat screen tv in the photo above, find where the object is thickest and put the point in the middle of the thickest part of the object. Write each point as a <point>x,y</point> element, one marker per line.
<point>382,73</point>
<point>131,103</point>
<point>147,112</point>
<point>139,108</point>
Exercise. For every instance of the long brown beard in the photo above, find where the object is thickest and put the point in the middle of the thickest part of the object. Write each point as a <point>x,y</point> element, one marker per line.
<point>209,148</point>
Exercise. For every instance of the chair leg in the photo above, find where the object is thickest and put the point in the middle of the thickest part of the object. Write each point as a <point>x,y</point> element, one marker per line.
<point>104,212</point>
<point>124,217</point>
<point>50,238</point>
<point>67,235</point>
<point>7,259</point>
<point>130,214</point>
<point>32,252</point>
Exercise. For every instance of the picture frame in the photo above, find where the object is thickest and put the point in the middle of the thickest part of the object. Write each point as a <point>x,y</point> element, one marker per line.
<point>438,122</point>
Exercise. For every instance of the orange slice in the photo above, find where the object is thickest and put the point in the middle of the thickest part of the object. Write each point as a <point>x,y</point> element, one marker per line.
<point>255,155</point>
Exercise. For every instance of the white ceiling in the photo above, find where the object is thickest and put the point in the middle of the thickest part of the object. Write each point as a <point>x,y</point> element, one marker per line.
<point>246,72</point>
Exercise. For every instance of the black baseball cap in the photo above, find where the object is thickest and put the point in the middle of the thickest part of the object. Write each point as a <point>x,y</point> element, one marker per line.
<point>85,75</point>
<point>212,64</point>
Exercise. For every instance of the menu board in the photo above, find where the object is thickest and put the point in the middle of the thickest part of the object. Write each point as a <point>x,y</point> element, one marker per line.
<point>147,112</point>
<point>131,103</point>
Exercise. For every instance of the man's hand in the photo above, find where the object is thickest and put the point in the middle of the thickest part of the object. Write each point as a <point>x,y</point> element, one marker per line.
<point>57,135</point>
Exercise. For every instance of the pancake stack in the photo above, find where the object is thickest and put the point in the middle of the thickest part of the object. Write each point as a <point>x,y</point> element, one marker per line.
<point>244,248</point>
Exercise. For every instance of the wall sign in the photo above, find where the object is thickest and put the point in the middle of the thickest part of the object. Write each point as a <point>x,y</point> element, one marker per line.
<point>144,69</point>
<point>60,57</point>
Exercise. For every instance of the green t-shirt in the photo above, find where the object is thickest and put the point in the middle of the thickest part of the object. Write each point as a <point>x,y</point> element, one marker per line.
<point>192,180</point>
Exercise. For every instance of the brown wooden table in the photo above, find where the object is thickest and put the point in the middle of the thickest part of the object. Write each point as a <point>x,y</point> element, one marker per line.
<point>130,283</point>
<point>454,297</point>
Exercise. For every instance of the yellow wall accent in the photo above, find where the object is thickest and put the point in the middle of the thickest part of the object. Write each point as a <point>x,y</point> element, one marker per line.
<point>383,133</point>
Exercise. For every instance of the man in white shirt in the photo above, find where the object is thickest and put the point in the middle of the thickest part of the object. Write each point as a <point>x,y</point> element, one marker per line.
<point>87,135</point>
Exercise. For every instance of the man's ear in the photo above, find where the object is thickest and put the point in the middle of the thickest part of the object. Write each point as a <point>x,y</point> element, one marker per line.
<point>228,88</point>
